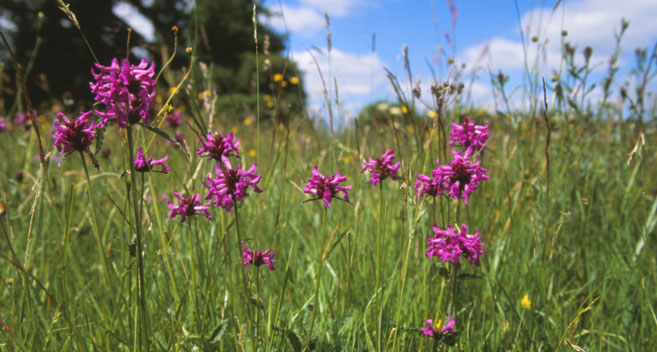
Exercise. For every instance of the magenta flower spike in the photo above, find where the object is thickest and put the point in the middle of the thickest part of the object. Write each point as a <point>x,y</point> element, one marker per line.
<point>326,188</point>
<point>173,120</point>
<point>145,165</point>
<point>73,135</point>
<point>188,206</point>
<point>382,167</point>
<point>231,185</point>
<point>126,90</point>
<point>449,245</point>
<point>469,135</point>
<point>433,332</point>
<point>220,147</point>
<point>23,119</point>
<point>460,177</point>
<point>426,185</point>
<point>258,258</point>
<point>3,125</point>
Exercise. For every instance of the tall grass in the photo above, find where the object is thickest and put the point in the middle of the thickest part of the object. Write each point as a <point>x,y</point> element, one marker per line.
<point>568,219</point>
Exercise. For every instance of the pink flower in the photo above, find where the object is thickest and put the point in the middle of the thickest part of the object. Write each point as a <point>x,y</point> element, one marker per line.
<point>145,165</point>
<point>173,120</point>
<point>326,188</point>
<point>73,135</point>
<point>187,206</point>
<point>460,177</point>
<point>426,185</point>
<point>220,147</point>
<point>23,119</point>
<point>449,245</point>
<point>231,185</point>
<point>258,258</point>
<point>382,167</point>
<point>469,135</point>
<point>433,332</point>
<point>3,125</point>
<point>126,91</point>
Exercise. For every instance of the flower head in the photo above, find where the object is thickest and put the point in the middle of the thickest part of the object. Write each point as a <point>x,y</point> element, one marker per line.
<point>23,119</point>
<point>437,331</point>
<point>145,165</point>
<point>449,245</point>
<point>258,258</point>
<point>126,91</point>
<point>3,125</point>
<point>188,206</point>
<point>525,302</point>
<point>231,185</point>
<point>220,147</point>
<point>382,167</point>
<point>173,120</point>
<point>73,135</point>
<point>460,177</point>
<point>326,188</point>
<point>469,135</point>
<point>426,185</point>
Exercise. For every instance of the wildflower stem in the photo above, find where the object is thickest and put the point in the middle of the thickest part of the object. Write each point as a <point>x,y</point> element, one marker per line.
<point>318,278</point>
<point>94,220</point>
<point>243,270</point>
<point>378,267</point>
<point>143,316</point>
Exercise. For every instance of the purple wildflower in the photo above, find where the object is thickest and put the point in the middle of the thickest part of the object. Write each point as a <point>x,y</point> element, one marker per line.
<point>382,167</point>
<point>460,177</point>
<point>187,206</point>
<point>220,147</point>
<point>258,258</point>
<point>426,185</point>
<point>126,91</point>
<point>469,135</point>
<point>145,165</point>
<point>73,135</point>
<point>231,185</point>
<point>326,188</point>
<point>433,332</point>
<point>23,119</point>
<point>449,245</point>
<point>3,125</point>
<point>173,120</point>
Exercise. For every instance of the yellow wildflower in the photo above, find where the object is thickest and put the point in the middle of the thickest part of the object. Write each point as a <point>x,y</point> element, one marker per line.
<point>404,109</point>
<point>284,84</point>
<point>525,302</point>
<point>270,104</point>
<point>431,114</point>
<point>234,129</point>
<point>294,80</point>
<point>278,77</point>
<point>410,129</point>
<point>252,153</point>
<point>247,121</point>
<point>267,97</point>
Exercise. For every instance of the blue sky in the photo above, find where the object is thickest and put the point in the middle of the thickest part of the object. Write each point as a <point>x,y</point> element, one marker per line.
<point>485,37</point>
<point>483,27</point>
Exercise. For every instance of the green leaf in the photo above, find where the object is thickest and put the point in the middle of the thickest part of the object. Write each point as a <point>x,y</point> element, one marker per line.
<point>166,136</point>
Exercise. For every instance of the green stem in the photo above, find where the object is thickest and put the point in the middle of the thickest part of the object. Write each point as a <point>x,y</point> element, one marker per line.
<point>243,270</point>
<point>379,264</point>
<point>143,318</point>
<point>94,221</point>
<point>320,263</point>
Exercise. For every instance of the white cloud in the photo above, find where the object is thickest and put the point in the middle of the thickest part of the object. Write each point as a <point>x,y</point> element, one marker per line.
<point>333,7</point>
<point>300,20</point>
<point>138,22</point>
<point>358,76</point>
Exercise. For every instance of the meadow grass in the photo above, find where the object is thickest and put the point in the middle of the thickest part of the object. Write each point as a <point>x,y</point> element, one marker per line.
<point>567,216</point>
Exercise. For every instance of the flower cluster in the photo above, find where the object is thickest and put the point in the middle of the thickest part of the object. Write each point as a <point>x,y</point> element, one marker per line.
<point>437,331</point>
<point>188,206</point>
<point>231,185</point>
<point>469,135</point>
<point>173,120</point>
<point>3,125</point>
<point>449,245</point>
<point>73,135</point>
<point>220,147</point>
<point>126,90</point>
<point>145,165</point>
<point>23,119</point>
<point>382,167</point>
<point>258,258</point>
<point>326,188</point>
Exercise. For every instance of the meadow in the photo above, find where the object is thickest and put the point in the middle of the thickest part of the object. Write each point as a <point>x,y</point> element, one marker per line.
<point>98,253</point>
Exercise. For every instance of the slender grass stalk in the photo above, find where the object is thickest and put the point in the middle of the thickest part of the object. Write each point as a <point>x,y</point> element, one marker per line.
<point>243,272</point>
<point>320,262</point>
<point>94,223</point>
<point>141,302</point>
